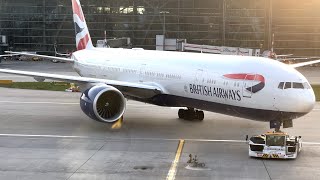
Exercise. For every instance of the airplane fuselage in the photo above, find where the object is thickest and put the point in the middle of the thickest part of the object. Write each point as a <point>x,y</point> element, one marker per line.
<point>240,86</point>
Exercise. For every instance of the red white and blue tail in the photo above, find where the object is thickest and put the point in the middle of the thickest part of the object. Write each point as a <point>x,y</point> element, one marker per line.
<point>83,39</point>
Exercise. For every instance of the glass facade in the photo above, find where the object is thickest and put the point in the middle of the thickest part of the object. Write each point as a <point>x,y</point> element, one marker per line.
<point>35,25</point>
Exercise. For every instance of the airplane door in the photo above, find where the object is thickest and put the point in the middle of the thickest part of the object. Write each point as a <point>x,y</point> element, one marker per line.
<point>247,85</point>
<point>142,72</point>
<point>198,77</point>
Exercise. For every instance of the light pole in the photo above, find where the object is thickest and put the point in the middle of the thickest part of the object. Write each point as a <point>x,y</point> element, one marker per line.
<point>270,25</point>
<point>164,26</point>
<point>164,21</point>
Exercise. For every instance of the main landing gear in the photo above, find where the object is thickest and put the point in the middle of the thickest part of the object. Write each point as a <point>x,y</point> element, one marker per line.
<point>190,114</point>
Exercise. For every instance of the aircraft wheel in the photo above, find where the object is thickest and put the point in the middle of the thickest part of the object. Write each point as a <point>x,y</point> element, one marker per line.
<point>200,115</point>
<point>190,114</point>
<point>181,113</point>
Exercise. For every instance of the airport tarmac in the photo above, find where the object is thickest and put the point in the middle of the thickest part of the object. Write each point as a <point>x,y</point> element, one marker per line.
<point>45,135</point>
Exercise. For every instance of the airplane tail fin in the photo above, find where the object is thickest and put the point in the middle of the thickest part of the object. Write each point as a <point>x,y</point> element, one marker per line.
<point>83,39</point>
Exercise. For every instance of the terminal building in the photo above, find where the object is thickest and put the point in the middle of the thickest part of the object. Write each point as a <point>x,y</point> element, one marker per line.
<point>36,25</point>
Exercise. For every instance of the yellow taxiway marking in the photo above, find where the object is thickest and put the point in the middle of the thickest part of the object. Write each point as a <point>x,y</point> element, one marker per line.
<point>117,124</point>
<point>173,169</point>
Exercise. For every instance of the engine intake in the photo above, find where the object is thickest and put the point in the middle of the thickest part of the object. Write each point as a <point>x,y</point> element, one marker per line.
<point>103,103</point>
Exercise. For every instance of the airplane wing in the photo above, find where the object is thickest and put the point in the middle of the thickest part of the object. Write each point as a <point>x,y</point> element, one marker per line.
<point>297,58</point>
<point>8,55</point>
<point>304,63</point>
<point>41,56</point>
<point>138,90</point>
<point>284,55</point>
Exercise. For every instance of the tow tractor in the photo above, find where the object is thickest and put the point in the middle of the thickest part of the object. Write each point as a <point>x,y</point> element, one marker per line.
<point>278,145</point>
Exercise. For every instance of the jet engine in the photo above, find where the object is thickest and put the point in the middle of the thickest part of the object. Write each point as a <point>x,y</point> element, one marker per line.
<point>103,103</point>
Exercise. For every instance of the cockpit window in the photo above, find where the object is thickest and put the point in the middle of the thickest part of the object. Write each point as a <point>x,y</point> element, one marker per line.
<point>306,85</point>
<point>287,85</point>
<point>296,85</point>
<point>281,85</point>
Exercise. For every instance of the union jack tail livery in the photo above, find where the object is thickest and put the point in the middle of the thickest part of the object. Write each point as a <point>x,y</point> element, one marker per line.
<point>83,39</point>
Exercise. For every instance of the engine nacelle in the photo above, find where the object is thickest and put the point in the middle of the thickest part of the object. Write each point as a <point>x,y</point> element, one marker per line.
<point>103,103</point>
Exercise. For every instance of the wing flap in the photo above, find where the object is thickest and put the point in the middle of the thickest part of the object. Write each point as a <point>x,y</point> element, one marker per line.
<point>8,55</point>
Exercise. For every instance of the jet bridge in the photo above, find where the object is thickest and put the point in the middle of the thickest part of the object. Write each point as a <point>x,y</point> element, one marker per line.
<point>225,50</point>
<point>3,44</point>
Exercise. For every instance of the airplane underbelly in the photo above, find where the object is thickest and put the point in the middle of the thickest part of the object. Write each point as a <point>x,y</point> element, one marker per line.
<point>232,110</point>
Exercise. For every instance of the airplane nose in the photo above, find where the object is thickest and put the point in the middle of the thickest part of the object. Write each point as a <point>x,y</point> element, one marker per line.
<point>309,101</point>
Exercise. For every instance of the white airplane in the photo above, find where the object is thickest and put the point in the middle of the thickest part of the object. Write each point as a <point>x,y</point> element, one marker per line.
<point>256,88</point>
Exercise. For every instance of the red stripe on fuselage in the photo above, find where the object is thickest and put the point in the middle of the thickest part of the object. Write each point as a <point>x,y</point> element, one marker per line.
<point>77,10</point>
<point>83,42</point>
<point>243,76</point>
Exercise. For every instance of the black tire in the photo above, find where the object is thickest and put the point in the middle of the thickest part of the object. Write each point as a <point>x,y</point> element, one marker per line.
<point>181,114</point>
<point>200,115</point>
<point>188,115</point>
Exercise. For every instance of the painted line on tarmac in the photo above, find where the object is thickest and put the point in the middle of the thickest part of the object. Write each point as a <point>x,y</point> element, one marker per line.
<point>216,140</point>
<point>173,169</point>
<point>23,102</point>
<point>178,108</point>
<point>134,139</point>
<point>13,75</point>
<point>41,136</point>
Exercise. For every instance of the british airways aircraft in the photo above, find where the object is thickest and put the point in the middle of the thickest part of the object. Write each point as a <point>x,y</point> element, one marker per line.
<point>255,88</point>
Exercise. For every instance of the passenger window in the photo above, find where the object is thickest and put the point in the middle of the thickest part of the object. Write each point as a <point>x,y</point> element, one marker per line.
<point>296,85</point>
<point>287,85</point>
<point>281,85</point>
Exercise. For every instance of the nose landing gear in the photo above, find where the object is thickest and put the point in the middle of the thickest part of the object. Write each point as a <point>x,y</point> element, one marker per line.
<point>277,124</point>
<point>190,114</point>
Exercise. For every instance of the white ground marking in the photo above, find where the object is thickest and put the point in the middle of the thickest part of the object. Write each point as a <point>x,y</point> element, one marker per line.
<point>143,139</point>
<point>40,136</point>
<point>23,102</point>
<point>10,76</point>
<point>177,107</point>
